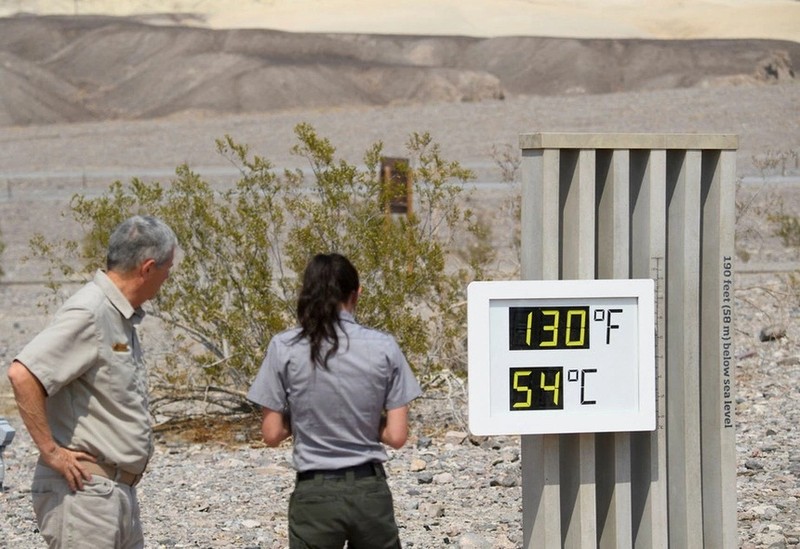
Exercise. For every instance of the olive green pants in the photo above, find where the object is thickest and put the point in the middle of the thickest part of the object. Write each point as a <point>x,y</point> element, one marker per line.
<point>325,513</point>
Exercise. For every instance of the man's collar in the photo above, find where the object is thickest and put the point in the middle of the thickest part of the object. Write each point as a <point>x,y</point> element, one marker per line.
<point>119,301</point>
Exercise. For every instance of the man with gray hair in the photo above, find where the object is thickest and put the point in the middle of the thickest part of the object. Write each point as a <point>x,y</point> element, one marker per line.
<point>81,390</point>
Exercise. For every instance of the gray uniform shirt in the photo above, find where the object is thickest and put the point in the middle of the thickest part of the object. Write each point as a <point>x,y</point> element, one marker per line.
<point>90,363</point>
<point>335,411</point>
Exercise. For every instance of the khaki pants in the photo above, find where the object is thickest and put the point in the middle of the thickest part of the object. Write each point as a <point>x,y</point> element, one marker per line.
<point>102,515</point>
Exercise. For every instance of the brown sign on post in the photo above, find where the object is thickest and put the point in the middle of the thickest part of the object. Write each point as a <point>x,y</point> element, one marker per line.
<point>397,185</point>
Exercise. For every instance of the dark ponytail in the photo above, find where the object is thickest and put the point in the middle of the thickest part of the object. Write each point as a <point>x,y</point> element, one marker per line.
<point>328,282</point>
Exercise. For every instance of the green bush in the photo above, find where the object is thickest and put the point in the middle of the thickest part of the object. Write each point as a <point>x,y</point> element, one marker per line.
<point>242,249</point>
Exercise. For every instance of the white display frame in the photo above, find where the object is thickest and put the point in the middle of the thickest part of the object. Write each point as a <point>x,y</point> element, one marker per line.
<point>629,373</point>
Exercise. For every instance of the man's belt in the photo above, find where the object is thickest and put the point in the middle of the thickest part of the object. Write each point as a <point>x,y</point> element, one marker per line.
<point>371,469</point>
<point>110,472</point>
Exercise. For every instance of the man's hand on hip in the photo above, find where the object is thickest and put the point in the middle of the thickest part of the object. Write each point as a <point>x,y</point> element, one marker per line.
<point>68,463</point>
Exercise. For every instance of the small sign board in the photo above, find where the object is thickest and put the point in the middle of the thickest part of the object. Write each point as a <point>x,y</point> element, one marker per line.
<point>397,185</point>
<point>561,356</point>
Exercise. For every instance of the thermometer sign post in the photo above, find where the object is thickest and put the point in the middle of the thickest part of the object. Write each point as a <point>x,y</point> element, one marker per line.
<point>561,356</point>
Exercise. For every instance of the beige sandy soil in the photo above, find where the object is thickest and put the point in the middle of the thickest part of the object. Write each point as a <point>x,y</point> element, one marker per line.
<point>659,19</point>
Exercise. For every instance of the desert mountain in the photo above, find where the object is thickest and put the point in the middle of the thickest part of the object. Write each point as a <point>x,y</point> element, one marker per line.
<point>57,69</point>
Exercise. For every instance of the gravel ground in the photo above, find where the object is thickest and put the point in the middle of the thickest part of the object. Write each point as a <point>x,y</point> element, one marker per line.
<point>448,490</point>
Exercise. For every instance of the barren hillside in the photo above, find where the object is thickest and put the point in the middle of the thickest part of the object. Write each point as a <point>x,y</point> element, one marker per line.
<point>59,69</point>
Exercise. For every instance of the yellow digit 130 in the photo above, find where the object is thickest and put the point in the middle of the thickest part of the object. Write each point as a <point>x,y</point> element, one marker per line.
<point>548,328</point>
<point>536,389</point>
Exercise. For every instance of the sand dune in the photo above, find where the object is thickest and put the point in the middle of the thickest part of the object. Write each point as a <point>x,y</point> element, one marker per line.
<point>655,19</point>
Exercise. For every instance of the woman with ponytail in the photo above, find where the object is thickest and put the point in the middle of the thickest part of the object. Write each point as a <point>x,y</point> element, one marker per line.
<point>339,390</point>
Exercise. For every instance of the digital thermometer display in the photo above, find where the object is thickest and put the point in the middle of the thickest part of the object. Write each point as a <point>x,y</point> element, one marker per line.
<point>561,356</point>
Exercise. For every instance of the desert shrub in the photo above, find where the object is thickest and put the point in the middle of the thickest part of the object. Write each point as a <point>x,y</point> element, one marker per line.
<point>787,228</point>
<point>242,249</point>
<point>777,162</point>
<point>753,205</point>
<point>507,159</point>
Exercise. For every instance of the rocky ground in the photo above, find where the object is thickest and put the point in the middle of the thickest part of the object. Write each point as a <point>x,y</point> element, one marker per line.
<point>448,490</point>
